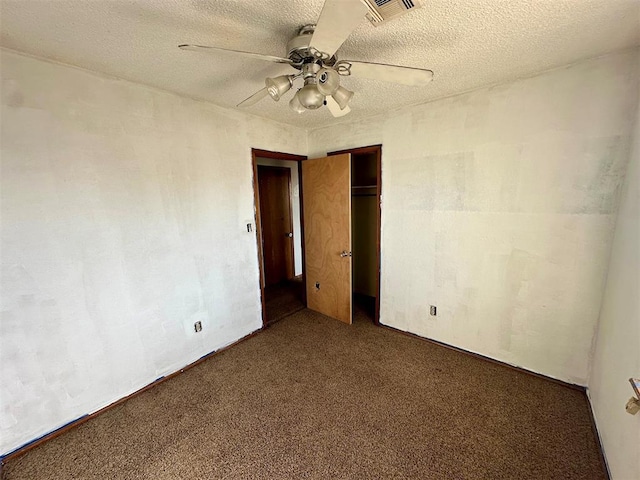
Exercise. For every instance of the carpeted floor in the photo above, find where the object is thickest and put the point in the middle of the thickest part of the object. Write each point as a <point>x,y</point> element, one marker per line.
<point>283,299</point>
<point>312,398</point>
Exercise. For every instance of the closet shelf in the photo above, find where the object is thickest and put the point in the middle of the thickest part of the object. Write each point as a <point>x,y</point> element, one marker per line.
<point>364,191</point>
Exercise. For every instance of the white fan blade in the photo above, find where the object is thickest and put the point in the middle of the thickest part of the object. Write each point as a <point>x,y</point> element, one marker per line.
<point>334,108</point>
<point>258,56</point>
<point>255,98</point>
<point>386,73</point>
<point>337,20</point>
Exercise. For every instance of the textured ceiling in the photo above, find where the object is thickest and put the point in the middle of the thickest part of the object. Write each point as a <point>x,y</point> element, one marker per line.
<point>468,44</point>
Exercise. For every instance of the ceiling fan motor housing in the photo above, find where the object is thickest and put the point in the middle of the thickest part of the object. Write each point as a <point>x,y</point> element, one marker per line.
<point>300,52</point>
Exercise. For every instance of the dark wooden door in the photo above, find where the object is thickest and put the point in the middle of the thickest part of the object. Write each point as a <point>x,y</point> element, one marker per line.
<point>326,188</point>
<point>274,188</point>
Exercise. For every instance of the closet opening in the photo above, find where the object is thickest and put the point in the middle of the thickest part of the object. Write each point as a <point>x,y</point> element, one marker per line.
<point>365,230</point>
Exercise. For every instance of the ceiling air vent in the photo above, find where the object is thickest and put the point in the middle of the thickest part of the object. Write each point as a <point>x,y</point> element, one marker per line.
<point>381,11</point>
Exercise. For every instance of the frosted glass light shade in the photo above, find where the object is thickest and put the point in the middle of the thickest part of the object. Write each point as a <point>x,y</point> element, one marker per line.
<point>328,81</point>
<point>278,86</point>
<point>342,96</point>
<point>295,104</point>
<point>310,97</point>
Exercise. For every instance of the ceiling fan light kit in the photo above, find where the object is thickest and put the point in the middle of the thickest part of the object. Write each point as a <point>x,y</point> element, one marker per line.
<point>328,81</point>
<point>342,96</point>
<point>278,86</point>
<point>310,97</point>
<point>335,109</point>
<point>312,52</point>
<point>295,104</point>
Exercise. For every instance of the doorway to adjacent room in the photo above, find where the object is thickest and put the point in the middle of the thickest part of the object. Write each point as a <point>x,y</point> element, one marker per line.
<point>279,232</point>
<point>341,245</point>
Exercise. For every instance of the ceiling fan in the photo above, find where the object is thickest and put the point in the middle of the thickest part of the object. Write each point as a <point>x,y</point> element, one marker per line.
<point>312,53</point>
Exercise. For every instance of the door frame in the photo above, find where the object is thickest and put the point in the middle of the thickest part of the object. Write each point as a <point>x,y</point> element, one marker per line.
<point>255,153</point>
<point>377,149</point>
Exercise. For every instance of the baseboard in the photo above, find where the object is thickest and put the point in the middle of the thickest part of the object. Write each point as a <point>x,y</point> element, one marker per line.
<point>594,427</point>
<point>573,386</point>
<point>64,428</point>
<point>488,359</point>
<point>84,418</point>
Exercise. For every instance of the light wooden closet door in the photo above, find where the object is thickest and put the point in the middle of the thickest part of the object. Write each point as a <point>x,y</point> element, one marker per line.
<point>326,189</point>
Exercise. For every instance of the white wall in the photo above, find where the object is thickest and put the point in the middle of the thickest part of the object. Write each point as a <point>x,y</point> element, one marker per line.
<point>498,207</point>
<point>123,213</point>
<point>124,210</point>
<point>295,206</point>
<point>617,352</point>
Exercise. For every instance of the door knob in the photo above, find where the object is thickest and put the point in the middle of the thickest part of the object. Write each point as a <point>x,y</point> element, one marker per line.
<point>344,253</point>
<point>289,234</point>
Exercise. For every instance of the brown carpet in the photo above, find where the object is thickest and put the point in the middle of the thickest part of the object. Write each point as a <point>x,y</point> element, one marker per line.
<point>312,398</point>
<point>283,299</point>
